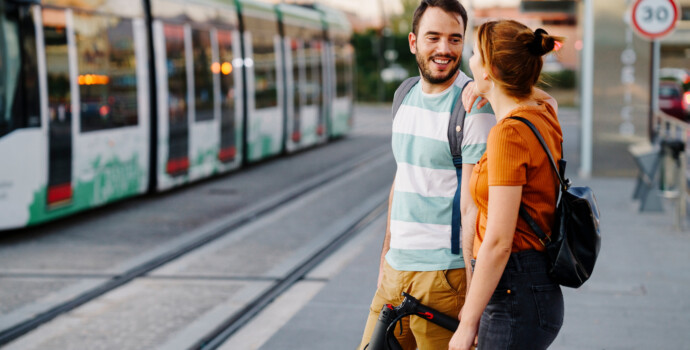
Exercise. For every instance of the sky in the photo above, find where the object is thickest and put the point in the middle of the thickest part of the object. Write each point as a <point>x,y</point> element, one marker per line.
<point>371,9</point>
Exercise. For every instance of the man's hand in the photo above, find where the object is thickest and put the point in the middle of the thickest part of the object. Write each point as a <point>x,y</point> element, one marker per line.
<point>378,283</point>
<point>469,96</point>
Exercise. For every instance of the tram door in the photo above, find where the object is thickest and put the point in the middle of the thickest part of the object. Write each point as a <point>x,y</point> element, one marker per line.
<point>295,82</point>
<point>178,129</point>
<point>315,74</point>
<point>303,46</point>
<point>225,68</point>
<point>262,48</point>
<point>60,190</point>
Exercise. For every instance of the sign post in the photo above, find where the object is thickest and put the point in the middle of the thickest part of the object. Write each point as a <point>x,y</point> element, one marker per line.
<point>586,91</point>
<point>652,20</point>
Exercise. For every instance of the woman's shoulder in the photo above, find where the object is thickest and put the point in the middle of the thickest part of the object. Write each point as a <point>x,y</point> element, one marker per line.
<point>543,116</point>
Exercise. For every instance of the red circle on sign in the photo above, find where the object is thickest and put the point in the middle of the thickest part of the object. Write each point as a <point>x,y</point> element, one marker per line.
<point>650,35</point>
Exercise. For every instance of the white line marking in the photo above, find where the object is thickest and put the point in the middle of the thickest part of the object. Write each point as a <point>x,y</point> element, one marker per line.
<point>270,320</point>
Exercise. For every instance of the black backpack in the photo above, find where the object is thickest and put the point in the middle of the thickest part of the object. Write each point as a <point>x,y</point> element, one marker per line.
<point>455,124</point>
<point>575,239</point>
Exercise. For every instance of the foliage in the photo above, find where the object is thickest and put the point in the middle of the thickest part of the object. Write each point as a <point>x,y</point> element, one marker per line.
<point>564,79</point>
<point>402,23</point>
<point>370,60</point>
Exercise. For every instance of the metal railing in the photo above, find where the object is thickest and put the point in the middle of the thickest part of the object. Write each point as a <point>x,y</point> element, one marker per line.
<point>672,136</point>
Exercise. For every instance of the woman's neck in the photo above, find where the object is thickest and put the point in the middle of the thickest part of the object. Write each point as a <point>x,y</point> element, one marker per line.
<point>503,103</point>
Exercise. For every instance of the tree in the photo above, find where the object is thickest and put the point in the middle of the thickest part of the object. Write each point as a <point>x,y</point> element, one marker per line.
<point>402,22</point>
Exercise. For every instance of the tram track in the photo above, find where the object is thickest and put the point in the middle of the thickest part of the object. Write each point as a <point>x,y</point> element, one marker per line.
<point>196,239</point>
<point>235,322</point>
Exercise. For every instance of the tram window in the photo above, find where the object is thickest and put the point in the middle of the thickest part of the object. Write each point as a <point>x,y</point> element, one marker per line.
<point>55,34</point>
<point>19,107</point>
<point>264,33</point>
<point>30,102</point>
<point>203,75</point>
<point>342,83</point>
<point>107,72</point>
<point>343,66</point>
<point>123,82</point>
<point>10,61</point>
<point>177,74</point>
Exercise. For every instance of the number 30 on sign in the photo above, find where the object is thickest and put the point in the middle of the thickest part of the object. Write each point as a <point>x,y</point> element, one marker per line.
<point>654,19</point>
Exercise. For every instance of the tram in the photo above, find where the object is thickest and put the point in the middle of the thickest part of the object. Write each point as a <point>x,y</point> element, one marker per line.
<point>102,100</point>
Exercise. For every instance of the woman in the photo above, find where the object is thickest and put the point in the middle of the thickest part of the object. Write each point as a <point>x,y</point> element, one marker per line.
<point>511,302</point>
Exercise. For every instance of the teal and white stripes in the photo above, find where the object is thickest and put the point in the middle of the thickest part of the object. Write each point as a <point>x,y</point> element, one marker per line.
<point>412,207</point>
<point>426,179</point>
<point>478,123</point>
<point>407,180</point>
<point>422,151</point>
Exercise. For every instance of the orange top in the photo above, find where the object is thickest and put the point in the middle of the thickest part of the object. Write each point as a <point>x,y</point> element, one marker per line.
<point>514,157</point>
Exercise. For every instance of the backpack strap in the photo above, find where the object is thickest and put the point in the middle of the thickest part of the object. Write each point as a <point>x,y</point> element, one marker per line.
<point>564,182</point>
<point>543,238</point>
<point>456,123</point>
<point>402,91</point>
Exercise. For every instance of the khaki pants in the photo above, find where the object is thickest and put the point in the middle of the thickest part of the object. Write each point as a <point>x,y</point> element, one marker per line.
<point>441,290</point>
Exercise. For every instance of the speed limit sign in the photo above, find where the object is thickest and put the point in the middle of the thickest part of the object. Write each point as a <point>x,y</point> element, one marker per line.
<point>654,19</point>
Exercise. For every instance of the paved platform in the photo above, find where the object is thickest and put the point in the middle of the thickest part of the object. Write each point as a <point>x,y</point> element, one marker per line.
<point>636,298</point>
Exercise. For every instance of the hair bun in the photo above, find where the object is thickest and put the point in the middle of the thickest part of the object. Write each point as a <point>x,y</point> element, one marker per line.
<point>542,43</point>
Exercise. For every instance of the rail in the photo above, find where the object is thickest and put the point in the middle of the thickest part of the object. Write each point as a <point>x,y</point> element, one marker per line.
<point>672,134</point>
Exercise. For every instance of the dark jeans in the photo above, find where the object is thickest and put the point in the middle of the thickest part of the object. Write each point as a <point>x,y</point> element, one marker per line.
<point>526,310</point>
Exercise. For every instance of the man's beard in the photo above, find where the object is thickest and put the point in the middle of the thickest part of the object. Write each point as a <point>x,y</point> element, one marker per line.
<point>423,65</point>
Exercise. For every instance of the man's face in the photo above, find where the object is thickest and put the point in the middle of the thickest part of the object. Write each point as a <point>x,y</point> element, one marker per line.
<point>438,45</point>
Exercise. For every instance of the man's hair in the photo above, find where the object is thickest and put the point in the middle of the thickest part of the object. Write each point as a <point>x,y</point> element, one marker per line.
<point>450,6</point>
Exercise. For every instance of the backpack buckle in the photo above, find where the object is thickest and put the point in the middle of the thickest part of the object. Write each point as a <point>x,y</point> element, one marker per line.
<point>548,240</point>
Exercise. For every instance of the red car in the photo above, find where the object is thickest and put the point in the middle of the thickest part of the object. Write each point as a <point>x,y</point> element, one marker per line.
<point>673,101</point>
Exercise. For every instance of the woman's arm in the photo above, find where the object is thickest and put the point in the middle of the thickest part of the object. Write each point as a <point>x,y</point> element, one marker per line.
<point>504,203</point>
<point>469,96</point>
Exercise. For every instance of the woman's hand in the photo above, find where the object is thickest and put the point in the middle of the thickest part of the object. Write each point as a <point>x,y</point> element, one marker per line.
<point>469,96</point>
<point>464,337</point>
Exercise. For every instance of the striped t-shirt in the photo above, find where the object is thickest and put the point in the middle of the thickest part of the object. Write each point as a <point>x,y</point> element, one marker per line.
<point>426,179</point>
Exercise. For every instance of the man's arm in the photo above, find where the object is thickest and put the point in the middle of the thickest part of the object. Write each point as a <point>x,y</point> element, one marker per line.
<point>387,238</point>
<point>540,94</point>
<point>478,121</point>
<point>469,218</point>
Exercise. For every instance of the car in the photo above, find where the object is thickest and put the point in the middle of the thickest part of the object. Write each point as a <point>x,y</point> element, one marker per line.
<point>679,75</point>
<point>673,100</point>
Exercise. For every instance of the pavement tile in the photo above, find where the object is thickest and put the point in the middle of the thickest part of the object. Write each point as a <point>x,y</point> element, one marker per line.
<point>636,298</point>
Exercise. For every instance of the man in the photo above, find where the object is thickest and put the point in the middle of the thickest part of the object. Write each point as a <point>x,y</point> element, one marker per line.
<point>417,254</point>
